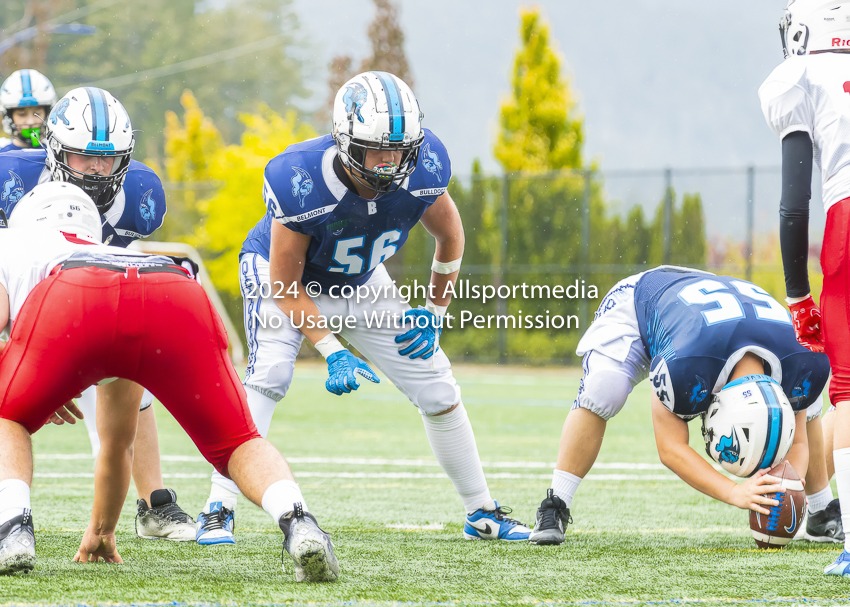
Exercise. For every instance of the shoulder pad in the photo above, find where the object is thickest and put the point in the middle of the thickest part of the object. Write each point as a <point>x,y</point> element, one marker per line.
<point>19,173</point>
<point>433,169</point>
<point>294,189</point>
<point>785,100</point>
<point>144,202</point>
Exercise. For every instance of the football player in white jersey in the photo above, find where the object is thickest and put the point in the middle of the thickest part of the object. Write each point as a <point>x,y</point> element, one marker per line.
<point>806,102</point>
<point>80,313</point>
<point>26,98</point>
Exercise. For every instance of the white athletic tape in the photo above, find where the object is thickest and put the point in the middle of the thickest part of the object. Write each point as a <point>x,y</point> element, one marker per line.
<point>447,267</point>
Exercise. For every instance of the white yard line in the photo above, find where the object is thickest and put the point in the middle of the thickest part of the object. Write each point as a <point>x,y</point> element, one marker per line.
<point>371,461</point>
<point>396,475</point>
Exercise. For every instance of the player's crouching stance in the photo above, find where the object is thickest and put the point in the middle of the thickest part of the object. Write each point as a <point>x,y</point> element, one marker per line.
<point>338,206</point>
<point>691,333</point>
<point>134,317</point>
<point>88,141</point>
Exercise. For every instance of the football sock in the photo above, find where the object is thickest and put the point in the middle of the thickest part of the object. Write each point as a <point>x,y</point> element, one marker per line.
<point>222,494</point>
<point>14,499</point>
<point>279,498</point>
<point>820,500</point>
<point>565,485</point>
<point>453,443</point>
<point>88,405</point>
<point>262,408</point>
<point>842,479</point>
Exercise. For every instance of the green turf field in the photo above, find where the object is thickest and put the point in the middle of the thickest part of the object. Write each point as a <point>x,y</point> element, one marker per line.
<point>368,474</point>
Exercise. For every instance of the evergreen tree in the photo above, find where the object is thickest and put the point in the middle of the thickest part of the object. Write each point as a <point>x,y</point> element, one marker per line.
<point>539,129</point>
<point>387,55</point>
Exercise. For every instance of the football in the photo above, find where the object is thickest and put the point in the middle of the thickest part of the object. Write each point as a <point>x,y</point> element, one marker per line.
<point>776,530</point>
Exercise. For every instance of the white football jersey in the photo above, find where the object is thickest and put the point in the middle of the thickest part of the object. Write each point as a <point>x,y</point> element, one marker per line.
<point>812,94</point>
<point>28,255</point>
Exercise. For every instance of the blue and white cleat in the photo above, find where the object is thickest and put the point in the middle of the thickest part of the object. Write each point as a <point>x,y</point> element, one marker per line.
<point>490,523</point>
<point>841,566</point>
<point>216,527</point>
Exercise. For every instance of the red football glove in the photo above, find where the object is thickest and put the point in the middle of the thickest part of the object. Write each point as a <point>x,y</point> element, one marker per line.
<point>806,317</point>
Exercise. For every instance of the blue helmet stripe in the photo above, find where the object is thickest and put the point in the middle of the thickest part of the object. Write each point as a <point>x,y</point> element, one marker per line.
<point>99,114</point>
<point>395,104</point>
<point>26,88</point>
<point>774,424</point>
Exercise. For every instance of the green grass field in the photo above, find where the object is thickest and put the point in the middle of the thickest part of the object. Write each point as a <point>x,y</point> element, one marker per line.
<point>364,465</point>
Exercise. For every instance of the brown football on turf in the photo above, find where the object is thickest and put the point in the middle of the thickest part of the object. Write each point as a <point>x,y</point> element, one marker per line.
<point>776,530</point>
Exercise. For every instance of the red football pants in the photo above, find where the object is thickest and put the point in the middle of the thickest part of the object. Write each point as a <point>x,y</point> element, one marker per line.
<point>160,330</point>
<point>835,298</point>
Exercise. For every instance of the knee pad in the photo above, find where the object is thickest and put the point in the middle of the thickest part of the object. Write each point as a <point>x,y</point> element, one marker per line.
<point>603,393</point>
<point>437,397</point>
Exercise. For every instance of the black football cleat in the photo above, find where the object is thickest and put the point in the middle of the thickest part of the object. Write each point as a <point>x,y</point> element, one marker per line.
<point>553,516</point>
<point>825,526</point>
<point>309,547</point>
<point>164,520</point>
<point>17,544</point>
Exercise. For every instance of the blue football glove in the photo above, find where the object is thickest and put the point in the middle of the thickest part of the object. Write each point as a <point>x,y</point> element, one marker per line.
<point>428,336</point>
<point>343,367</point>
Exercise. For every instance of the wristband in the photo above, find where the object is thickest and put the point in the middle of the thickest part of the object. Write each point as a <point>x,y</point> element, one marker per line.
<point>793,300</point>
<point>448,267</point>
<point>328,345</point>
<point>438,311</point>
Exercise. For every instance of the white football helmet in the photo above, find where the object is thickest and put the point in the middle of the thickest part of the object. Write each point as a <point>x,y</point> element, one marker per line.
<point>749,425</point>
<point>26,88</point>
<point>90,122</point>
<point>377,111</point>
<point>62,206</point>
<point>815,26</point>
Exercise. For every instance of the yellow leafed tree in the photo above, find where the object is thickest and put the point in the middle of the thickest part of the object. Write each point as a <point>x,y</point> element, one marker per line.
<point>538,130</point>
<point>238,203</point>
<point>215,190</point>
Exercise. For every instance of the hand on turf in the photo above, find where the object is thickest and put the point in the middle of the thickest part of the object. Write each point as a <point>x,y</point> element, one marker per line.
<point>66,413</point>
<point>749,495</point>
<point>427,328</point>
<point>96,547</point>
<point>343,367</point>
<point>807,319</point>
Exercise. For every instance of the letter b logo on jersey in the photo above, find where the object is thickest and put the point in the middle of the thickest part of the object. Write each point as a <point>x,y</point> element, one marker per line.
<point>372,207</point>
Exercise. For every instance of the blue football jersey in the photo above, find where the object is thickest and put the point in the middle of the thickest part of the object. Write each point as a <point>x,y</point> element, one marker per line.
<point>350,235</point>
<point>138,209</point>
<point>696,326</point>
<point>11,147</point>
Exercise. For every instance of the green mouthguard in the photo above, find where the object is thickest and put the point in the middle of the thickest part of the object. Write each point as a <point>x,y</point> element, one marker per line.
<point>32,135</point>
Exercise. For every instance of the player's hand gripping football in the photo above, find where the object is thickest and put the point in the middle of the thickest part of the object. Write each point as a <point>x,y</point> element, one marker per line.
<point>97,547</point>
<point>807,319</point>
<point>750,495</point>
<point>343,367</point>
<point>427,330</point>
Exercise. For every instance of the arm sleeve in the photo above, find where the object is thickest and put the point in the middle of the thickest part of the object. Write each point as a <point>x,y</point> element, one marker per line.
<point>797,156</point>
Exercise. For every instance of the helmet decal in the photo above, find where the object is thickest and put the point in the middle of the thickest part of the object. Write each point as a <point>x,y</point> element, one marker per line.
<point>13,189</point>
<point>729,448</point>
<point>147,208</point>
<point>59,112</point>
<point>395,105</point>
<point>431,161</point>
<point>354,98</point>
<point>99,114</point>
<point>302,184</point>
<point>26,87</point>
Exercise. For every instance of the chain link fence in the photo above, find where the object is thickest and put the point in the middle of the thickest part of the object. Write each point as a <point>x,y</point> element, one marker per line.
<point>542,250</point>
